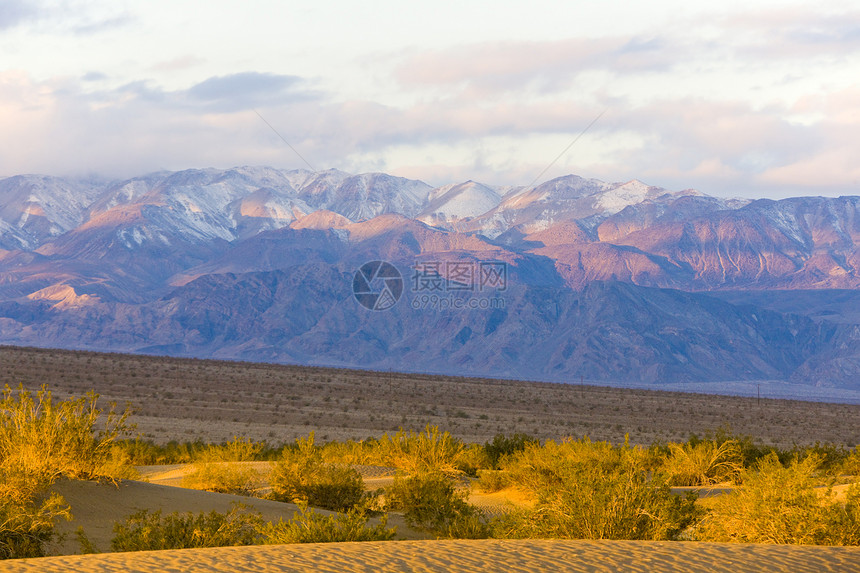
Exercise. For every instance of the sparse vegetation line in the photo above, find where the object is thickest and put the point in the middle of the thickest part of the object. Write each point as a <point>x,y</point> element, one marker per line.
<point>213,401</point>
<point>564,487</point>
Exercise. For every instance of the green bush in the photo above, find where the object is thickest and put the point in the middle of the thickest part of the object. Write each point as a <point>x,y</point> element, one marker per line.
<point>592,490</point>
<point>502,445</point>
<point>430,502</point>
<point>301,476</point>
<point>146,531</point>
<point>221,469</point>
<point>308,526</point>
<point>778,504</point>
<point>26,526</point>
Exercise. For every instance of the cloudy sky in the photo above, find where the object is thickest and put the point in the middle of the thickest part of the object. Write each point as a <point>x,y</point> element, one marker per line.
<point>751,98</point>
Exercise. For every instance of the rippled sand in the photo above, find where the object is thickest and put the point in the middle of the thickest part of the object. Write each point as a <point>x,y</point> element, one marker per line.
<point>97,506</point>
<point>486,555</point>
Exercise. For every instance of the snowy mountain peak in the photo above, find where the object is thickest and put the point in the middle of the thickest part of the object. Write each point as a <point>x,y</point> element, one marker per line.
<point>452,203</point>
<point>622,195</point>
<point>236,203</point>
<point>37,208</point>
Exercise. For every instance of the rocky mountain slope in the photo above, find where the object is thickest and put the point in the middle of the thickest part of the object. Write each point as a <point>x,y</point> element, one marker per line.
<point>572,278</point>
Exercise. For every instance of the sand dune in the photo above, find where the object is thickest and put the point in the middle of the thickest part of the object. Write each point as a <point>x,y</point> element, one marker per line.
<point>486,555</point>
<point>96,506</point>
<point>375,477</point>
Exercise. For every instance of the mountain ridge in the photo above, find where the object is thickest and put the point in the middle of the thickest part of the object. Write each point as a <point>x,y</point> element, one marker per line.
<point>611,281</point>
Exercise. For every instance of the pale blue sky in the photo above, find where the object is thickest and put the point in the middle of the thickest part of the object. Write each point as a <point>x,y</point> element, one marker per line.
<point>746,98</point>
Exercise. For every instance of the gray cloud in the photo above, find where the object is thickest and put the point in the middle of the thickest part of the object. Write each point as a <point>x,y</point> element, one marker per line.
<point>246,90</point>
<point>94,77</point>
<point>89,27</point>
<point>71,16</point>
<point>15,12</point>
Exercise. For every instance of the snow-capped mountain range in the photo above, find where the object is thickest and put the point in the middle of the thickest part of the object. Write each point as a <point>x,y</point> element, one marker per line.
<point>234,203</point>
<point>613,281</point>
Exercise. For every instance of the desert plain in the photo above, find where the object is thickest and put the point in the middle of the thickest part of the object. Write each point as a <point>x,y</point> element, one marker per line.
<point>214,401</point>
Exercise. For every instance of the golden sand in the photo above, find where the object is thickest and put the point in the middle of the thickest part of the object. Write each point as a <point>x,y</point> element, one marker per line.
<point>485,555</point>
<point>97,506</point>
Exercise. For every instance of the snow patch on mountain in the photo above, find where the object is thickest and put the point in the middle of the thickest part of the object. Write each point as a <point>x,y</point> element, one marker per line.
<point>37,208</point>
<point>617,198</point>
<point>455,202</point>
<point>362,197</point>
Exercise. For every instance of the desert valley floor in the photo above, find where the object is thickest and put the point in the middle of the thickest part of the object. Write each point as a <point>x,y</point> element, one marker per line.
<point>182,399</point>
<point>179,399</point>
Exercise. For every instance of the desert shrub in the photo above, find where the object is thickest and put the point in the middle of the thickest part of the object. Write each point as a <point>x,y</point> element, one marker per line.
<point>430,502</point>
<point>429,451</point>
<point>148,453</point>
<point>309,526</point>
<point>146,531</point>
<point>492,480</point>
<point>843,527</point>
<point>750,451</point>
<point>703,463</point>
<point>85,543</point>
<point>502,445</point>
<point>831,458</point>
<point>40,442</point>
<point>48,440</point>
<point>850,465</point>
<point>26,525</point>
<point>776,504</point>
<point>592,490</point>
<point>410,452</point>
<point>219,469</point>
<point>361,452</point>
<point>473,459</point>
<point>301,476</point>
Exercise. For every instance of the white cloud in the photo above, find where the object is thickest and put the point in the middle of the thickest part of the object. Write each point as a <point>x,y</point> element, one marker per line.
<point>728,100</point>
